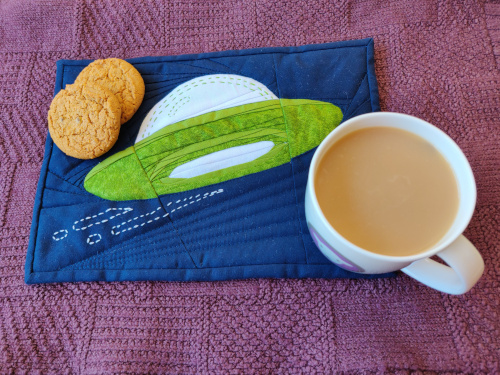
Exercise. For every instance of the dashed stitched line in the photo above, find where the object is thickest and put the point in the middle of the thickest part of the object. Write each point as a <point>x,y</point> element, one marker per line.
<point>89,239</point>
<point>135,226</point>
<point>60,238</point>
<point>178,105</point>
<point>125,210</point>
<point>133,219</point>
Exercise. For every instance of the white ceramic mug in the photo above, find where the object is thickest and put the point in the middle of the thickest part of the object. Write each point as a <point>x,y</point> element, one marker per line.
<point>465,265</point>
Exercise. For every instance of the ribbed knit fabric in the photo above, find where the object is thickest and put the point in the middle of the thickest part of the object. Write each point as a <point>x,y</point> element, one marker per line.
<point>437,60</point>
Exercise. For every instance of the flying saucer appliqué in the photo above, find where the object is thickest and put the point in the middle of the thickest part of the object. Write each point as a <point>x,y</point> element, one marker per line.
<point>208,130</point>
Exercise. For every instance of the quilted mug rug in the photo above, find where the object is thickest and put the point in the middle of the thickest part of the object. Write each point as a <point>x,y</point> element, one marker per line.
<point>207,180</point>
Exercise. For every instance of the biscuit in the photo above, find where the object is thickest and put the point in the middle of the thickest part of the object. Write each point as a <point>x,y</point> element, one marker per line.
<point>119,77</point>
<point>84,121</point>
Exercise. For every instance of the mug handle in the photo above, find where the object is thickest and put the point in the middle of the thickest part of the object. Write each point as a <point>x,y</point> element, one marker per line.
<point>465,267</point>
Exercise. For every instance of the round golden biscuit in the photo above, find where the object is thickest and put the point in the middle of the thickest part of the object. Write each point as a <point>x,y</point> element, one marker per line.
<point>84,121</point>
<point>119,77</point>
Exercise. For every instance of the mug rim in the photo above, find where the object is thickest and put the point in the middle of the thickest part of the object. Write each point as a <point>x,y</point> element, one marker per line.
<point>326,143</point>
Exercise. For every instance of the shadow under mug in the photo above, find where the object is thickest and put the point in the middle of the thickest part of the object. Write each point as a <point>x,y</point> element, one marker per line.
<point>464,263</point>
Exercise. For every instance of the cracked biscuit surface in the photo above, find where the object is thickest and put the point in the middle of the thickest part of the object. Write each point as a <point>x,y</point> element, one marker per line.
<point>84,121</point>
<point>119,77</point>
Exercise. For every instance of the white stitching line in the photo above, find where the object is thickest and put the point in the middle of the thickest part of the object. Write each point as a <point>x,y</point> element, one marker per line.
<point>135,226</point>
<point>133,219</point>
<point>125,210</point>
<point>93,242</point>
<point>60,238</point>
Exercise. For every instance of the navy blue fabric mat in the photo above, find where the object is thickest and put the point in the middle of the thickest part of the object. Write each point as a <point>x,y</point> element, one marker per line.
<point>248,227</point>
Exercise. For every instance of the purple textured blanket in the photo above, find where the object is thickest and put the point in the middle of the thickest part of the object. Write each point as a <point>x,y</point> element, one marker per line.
<point>437,60</point>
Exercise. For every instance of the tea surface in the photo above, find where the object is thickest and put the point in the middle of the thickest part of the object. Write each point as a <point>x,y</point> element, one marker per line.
<point>387,190</point>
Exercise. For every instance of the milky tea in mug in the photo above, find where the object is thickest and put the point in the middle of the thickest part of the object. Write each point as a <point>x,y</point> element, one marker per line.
<point>387,191</point>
